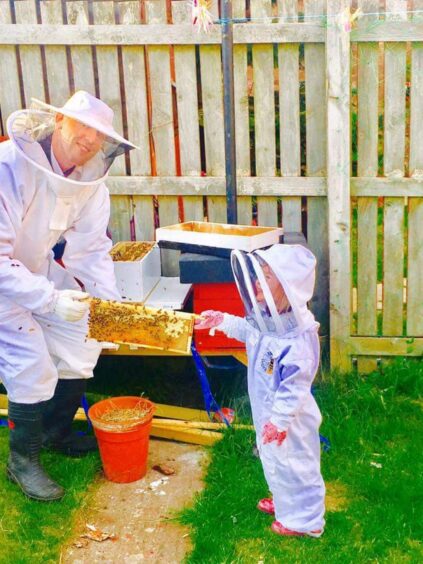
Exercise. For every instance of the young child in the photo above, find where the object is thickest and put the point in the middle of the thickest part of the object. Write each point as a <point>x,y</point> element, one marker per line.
<point>282,343</point>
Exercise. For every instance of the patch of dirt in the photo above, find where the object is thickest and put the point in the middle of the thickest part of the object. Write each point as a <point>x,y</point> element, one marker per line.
<point>138,516</point>
<point>336,497</point>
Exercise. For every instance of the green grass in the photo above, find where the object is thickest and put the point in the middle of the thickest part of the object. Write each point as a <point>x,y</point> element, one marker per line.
<point>378,516</point>
<point>32,531</point>
<point>377,418</point>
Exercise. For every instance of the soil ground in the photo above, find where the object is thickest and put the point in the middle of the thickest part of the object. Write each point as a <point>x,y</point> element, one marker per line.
<point>140,515</point>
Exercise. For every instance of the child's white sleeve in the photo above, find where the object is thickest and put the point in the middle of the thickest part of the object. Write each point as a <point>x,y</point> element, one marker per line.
<point>296,379</point>
<point>234,327</point>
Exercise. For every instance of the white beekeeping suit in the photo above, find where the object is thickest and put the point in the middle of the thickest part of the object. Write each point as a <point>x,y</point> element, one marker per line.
<point>45,356</point>
<point>283,357</point>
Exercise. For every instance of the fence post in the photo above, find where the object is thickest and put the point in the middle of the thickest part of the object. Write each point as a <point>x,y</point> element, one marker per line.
<point>338,181</point>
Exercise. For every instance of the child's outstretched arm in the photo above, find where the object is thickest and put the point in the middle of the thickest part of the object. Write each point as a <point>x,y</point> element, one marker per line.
<point>233,326</point>
<point>296,377</point>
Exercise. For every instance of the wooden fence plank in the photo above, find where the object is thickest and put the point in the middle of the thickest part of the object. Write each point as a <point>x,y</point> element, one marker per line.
<point>338,163</point>
<point>187,103</point>
<point>81,55</point>
<point>394,151</point>
<point>109,88</point>
<point>215,185</point>
<point>415,267</point>
<point>264,115</point>
<point>163,131</point>
<point>415,205</point>
<point>317,208</point>
<point>56,61</point>
<point>10,95</point>
<point>185,34</point>
<point>32,70</point>
<point>212,102</point>
<point>133,60</point>
<point>242,128</point>
<point>289,117</point>
<point>386,346</point>
<point>251,33</point>
<point>367,165</point>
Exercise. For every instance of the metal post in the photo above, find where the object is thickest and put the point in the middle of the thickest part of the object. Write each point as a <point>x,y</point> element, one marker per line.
<point>229,109</point>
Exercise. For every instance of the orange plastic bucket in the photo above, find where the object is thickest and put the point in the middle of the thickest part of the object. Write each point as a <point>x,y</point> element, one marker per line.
<point>124,444</point>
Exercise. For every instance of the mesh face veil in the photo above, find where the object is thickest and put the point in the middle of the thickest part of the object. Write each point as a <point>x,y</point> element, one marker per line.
<point>248,272</point>
<point>32,132</point>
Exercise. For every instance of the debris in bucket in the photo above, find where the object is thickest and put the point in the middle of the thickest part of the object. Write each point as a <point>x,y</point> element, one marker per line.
<point>164,469</point>
<point>119,414</point>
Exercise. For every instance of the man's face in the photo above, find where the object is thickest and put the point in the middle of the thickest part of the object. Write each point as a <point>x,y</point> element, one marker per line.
<point>78,141</point>
<point>275,287</point>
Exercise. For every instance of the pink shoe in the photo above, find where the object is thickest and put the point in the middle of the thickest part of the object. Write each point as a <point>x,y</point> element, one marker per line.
<point>266,506</point>
<point>279,529</point>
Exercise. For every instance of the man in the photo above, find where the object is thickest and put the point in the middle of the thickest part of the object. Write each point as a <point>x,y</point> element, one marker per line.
<point>52,173</point>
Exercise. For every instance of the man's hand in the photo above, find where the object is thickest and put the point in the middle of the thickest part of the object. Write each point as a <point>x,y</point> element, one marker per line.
<point>71,305</point>
<point>271,433</point>
<point>209,319</point>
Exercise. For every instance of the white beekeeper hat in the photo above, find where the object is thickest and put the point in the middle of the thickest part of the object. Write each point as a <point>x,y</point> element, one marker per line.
<point>91,111</point>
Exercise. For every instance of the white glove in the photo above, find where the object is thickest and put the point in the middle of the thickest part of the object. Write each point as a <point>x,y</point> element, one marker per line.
<point>69,305</point>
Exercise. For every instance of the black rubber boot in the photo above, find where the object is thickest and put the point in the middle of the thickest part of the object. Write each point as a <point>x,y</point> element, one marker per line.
<point>24,466</point>
<point>58,414</point>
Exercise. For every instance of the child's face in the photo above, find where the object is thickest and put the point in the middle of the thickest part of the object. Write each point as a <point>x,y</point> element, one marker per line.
<point>276,289</point>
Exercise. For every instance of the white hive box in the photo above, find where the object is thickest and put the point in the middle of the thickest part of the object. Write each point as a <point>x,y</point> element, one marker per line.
<point>137,268</point>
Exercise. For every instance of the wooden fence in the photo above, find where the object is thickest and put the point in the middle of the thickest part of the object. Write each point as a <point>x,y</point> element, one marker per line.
<point>301,80</point>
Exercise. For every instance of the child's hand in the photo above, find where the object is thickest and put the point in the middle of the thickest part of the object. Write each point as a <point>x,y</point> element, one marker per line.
<point>209,319</point>
<point>271,433</point>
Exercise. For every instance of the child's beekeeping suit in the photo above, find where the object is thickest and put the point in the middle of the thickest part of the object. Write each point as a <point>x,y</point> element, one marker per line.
<point>283,357</point>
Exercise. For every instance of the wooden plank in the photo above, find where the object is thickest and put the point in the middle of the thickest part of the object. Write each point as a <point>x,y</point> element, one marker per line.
<point>81,55</point>
<point>187,104</point>
<point>386,346</point>
<point>367,165</point>
<point>317,208</point>
<point>10,95</point>
<point>32,70</point>
<point>215,185</point>
<point>186,34</point>
<point>338,176</point>
<point>108,75</point>
<point>242,128</point>
<point>289,117</point>
<point>198,437</point>
<point>415,205</point>
<point>212,105</point>
<point>56,61</point>
<point>133,59</point>
<point>415,267</point>
<point>390,31</point>
<point>392,187</point>
<point>162,34</point>
<point>162,128</point>
<point>144,218</point>
<point>394,152</point>
<point>109,88</point>
<point>264,115</point>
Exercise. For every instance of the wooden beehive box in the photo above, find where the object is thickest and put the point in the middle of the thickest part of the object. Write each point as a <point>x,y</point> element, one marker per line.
<point>210,238</point>
<point>136,324</point>
<point>137,268</point>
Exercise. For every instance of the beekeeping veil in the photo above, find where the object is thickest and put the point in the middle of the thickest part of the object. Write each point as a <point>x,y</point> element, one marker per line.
<point>294,266</point>
<point>31,129</point>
